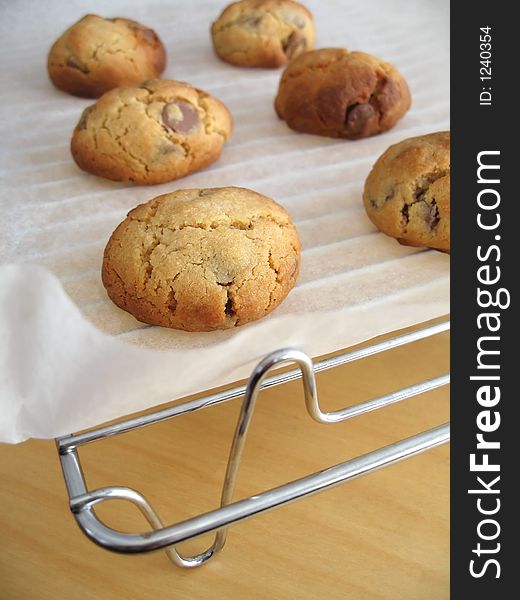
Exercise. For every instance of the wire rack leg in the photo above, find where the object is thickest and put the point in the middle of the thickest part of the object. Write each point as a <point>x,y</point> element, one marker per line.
<point>146,509</point>
<point>237,447</point>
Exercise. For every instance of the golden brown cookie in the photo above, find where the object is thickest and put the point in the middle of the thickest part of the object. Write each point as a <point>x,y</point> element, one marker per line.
<point>157,132</point>
<point>263,33</point>
<point>96,55</point>
<point>336,93</point>
<point>204,259</point>
<point>407,193</point>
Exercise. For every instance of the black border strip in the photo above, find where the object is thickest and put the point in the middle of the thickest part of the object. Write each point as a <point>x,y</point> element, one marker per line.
<point>483,222</point>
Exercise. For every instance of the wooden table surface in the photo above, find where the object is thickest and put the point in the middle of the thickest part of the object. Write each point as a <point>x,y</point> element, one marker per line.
<point>382,536</point>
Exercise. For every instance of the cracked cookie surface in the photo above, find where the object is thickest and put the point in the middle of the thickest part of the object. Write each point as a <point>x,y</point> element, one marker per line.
<point>263,33</point>
<point>407,193</point>
<point>202,259</point>
<point>96,55</point>
<point>337,93</point>
<point>157,132</point>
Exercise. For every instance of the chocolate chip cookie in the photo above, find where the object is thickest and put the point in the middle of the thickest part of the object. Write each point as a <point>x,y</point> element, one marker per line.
<point>96,55</point>
<point>157,132</point>
<point>263,33</point>
<point>202,259</point>
<point>407,193</point>
<point>336,93</point>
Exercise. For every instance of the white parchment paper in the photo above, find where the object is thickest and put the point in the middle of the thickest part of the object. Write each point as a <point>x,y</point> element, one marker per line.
<point>70,358</point>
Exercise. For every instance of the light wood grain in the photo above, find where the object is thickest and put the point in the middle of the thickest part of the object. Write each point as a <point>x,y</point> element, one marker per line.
<point>382,536</point>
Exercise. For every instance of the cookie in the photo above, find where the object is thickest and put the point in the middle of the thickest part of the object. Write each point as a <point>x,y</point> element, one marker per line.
<point>157,132</point>
<point>407,193</point>
<point>263,33</point>
<point>202,259</point>
<point>96,55</point>
<point>341,94</point>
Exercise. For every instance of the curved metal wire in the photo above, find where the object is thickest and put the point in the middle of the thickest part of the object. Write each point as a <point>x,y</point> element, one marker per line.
<point>146,509</point>
<point>235,456</point>
<point>244,420</point>
<point>84,502</point>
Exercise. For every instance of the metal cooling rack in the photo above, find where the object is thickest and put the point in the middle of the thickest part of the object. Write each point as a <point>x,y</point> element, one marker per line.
<point>83,501</point>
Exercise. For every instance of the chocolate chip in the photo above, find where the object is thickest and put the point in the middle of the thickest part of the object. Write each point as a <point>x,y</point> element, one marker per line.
<point>148,34</point>
<point>294,45</point>
<point>250,21</point>
<point>357,118</point>
<point>376,203</point>
<point>229,310</point>
<point>424,184</point>
<point>420,193</point>
<point>181,117</point>
<point>84,117</point>
<point>170,148</point>
<point>432,216</point>
<point>405,212</point>
<point>172,301</point>
<point>389,196</point>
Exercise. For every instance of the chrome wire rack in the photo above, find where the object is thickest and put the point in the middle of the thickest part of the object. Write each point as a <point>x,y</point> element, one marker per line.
<point>83,501</point>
